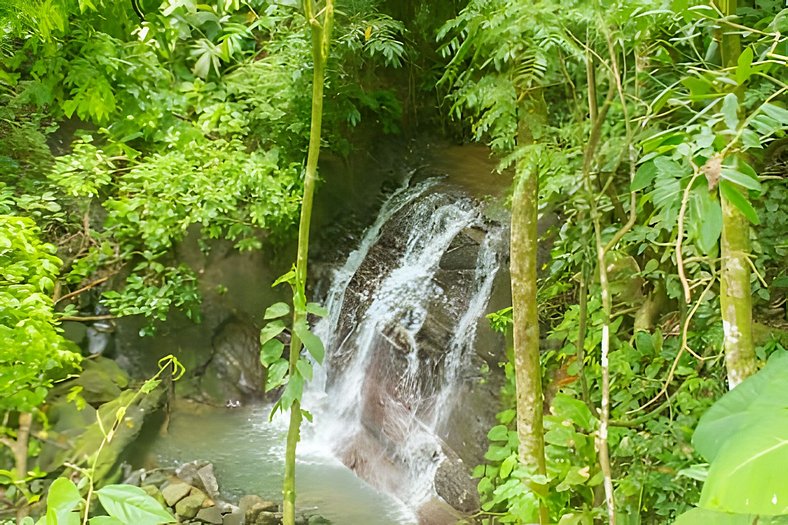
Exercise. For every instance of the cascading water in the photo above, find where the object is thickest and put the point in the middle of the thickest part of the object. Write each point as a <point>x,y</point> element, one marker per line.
<point>399,333</point>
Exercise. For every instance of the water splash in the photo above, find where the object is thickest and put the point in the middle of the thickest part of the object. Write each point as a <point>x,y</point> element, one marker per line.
<point>384,396</point>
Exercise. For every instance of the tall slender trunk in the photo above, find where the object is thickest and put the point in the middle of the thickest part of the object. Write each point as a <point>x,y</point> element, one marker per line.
<point>735,294</point>
<point>321,35</point>
<point>20,449</point>
<point>524,242</point>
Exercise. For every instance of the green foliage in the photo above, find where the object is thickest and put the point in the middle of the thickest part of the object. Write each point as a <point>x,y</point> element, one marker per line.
<point>744,436</point>
<point>272,348</point>
<point>34,354</point>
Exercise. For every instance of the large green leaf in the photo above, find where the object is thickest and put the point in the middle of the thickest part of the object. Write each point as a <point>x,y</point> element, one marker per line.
<point>735,197</point>
<point>105,520</point>
<point>130,504</point>
<point>62,500</point>
<point>276,310</point>
<point>711,517</point>
<point>749,473</point>
<point>312,342</point>
<point>271,330</point>
<point>762,395</point>
<point>644,176</point>
<point>705,221</point>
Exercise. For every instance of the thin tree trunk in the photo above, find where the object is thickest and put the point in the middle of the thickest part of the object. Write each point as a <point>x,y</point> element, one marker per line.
<point>20,455</point>
<point>528,376</point>
<point>735,294</point>
<point>321,34</point>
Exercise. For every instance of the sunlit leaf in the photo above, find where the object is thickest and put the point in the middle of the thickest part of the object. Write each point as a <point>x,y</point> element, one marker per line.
<point>130,504</point>
<point>271,351</point>
<point>312,342</point>
<point>276,310</point>
<point>735,197</point>
<point>271,330</point>
<point>730,109</point>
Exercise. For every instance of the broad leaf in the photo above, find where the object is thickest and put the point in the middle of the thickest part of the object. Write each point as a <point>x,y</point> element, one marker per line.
<point>105,520</point>
<point>574,410</point>
<point>764,394</point>
<point>293,391</point>
<point>276,374</point>
<point>304,368</point>
<point>130,504</point>
<point>735,197</point>
<point>62,500</point>
<point>271,330</point>
<point>748,473</point>
<point>738,176</point>
<point>744,66</point>
<point>271,351</point>
<point>705,221</point>
<point>312,342</point>
<point>276,310</point>
<point>711,517</point>
<point>730,109</point>
<point>644,176</point>
<point>316,309</point>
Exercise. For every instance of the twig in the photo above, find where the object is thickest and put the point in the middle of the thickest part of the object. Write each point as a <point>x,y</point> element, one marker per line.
<point>81,319</point>
<point>83,289</point>
<point>684,347</point>
<point>680,238</point>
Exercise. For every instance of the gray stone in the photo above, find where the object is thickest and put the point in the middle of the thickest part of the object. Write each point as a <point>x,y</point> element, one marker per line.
<point>208,479</point>
<point>234,518</point>
<point>157,477</point>
<point>454,485</point>
<point>189,506</point>
<point>188,472</point>
<point>318,520</point>
<point>210,515</point>
<point>174,492</point>
<point>134,478</point>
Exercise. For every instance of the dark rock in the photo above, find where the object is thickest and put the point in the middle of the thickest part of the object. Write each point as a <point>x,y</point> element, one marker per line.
<point>235,371</point>
<point>453,484</point>
<point>174,492</point>
<point>318,520</point>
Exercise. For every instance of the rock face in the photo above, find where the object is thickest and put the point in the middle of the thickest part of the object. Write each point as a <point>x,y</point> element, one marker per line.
<point>412,335</point>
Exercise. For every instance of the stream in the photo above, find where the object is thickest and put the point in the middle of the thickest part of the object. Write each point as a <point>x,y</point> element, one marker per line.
<point>247,453</point>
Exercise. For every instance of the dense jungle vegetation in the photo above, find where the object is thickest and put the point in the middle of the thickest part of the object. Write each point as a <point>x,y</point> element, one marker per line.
<point>654,131</point>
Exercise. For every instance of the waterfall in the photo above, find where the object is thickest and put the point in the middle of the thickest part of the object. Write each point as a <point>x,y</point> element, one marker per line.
<point>399,335</point>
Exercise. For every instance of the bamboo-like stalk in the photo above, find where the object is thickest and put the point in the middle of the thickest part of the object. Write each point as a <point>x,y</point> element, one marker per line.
<point>321,34</point>
<point>523,268</point>
<point>735,293</point>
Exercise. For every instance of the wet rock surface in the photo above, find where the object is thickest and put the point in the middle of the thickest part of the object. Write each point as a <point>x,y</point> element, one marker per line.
<point>416,354</point>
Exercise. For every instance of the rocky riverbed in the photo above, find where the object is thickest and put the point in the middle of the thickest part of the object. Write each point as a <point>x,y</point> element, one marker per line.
<point>191,493</point>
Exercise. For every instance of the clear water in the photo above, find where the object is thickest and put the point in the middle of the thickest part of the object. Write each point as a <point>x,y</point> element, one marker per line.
<point>247,453</point>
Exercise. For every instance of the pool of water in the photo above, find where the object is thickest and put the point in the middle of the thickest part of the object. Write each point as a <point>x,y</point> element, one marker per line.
<point>247,452</point>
